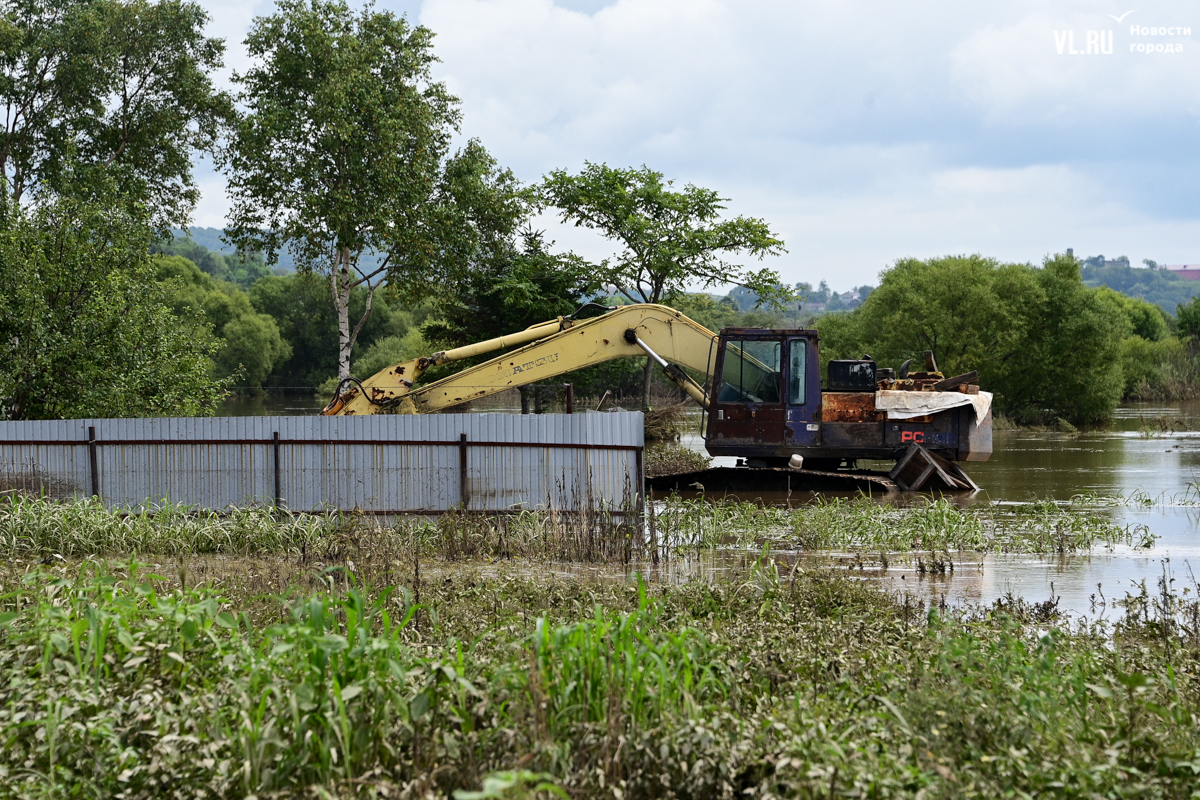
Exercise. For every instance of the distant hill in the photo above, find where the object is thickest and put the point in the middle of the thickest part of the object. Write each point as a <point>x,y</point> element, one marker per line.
<point>210,239</point>
<point>1164,289</point>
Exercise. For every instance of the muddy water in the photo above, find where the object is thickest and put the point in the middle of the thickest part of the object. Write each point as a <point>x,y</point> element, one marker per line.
<point>1151,455</point>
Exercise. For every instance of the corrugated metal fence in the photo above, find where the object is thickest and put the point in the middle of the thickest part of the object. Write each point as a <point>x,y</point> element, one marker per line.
<point>385,465</point>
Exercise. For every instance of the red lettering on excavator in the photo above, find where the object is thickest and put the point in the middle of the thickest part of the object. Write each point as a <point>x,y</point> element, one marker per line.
<point>917,437</point>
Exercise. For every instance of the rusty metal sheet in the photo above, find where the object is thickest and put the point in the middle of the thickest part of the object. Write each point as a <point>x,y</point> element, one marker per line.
<point>850,407</point>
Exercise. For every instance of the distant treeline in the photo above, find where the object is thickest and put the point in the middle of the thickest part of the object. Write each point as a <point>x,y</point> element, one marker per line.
<point>1161,287</point>
<point>277,331</point>
<point>1053,349</point>
<point>1050,346</point>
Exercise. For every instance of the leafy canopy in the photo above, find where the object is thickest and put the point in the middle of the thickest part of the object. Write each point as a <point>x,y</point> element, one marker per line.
<point>102,94</point>
<point>1046,345</point>
<point>342,142</point>
<point>299,305</point>
<point>249,344</point>
<point>671,240</point>
<point>86,328</point>
<point>242,269</point>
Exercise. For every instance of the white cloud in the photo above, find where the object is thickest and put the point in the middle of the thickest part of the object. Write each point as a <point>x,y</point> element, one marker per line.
<point>861,131</point>
<point>1025,72</point>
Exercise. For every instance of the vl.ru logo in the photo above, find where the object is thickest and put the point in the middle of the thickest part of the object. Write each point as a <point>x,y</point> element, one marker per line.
<point>1097,43</point>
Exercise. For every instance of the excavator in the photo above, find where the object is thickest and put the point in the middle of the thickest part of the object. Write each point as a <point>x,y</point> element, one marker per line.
<point>760,388</point>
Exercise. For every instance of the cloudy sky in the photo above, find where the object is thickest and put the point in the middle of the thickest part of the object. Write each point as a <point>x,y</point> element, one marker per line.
<point>862,132</point>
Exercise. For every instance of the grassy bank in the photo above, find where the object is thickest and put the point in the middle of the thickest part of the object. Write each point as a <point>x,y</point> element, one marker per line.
<point>115,681</point>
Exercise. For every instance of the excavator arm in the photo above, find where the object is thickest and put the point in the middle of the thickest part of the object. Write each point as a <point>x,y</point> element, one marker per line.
<point>551,348</point>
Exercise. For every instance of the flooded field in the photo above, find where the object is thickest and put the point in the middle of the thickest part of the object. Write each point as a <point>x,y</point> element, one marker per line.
<point>269,653</point>
<point>1149,460</point>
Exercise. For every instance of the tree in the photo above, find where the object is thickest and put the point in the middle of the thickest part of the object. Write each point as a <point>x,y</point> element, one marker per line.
<point>307,321</point>
<point>528,286</point>
<point>1161,287</point>
<point>242,269</point>
<point>1048,346</point>
<point>1187,319</point>
<point>670,240</point>
<point>107,94</point>
<point>249,344</point>
<point>1145,319</point>
<point>341,154</point>
<point>708,311</point>
<point>518,286</point>
<point>86,329</point>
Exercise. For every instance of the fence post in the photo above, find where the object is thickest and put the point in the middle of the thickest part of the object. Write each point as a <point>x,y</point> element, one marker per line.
<point>93,461</point>
<point>570,398</point>
<point>275,453</point>
<point>463,494</point>
<point>641,477</point>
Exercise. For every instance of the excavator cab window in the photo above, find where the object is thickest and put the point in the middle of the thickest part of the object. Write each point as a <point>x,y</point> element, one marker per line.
<point>751,371</point>
<point>797,371</point>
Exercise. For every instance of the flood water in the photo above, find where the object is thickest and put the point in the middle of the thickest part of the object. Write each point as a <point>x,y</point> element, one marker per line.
<point>271,405</point>
<point>1151,453</point>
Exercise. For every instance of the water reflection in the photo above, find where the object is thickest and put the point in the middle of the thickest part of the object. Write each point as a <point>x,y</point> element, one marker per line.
<point>1151,454</point>
<point>271,405</point>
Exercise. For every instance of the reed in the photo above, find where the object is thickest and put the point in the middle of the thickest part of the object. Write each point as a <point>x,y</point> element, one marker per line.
<point>862,524</point>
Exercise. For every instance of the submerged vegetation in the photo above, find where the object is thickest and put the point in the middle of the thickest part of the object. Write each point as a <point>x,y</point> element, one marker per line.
<point>114,679</point>
<point>669,458</point>
<point>32,527</point>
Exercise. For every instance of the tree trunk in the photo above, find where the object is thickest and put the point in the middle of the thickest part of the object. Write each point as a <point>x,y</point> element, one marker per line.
<point>524,392</point>
<point>341,303</point>
<point>647,377</point>
<point>343,285</point>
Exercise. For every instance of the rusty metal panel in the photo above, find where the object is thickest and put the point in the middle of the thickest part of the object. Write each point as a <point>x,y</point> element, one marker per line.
<point>378,464</point>
<point>850,407</point>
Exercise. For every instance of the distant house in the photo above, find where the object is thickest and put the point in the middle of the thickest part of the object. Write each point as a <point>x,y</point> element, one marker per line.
<point>1101,261</point>
<point>1189,271</point>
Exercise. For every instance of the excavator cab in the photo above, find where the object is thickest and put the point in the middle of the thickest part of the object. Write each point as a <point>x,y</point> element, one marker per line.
<point>766,402</point>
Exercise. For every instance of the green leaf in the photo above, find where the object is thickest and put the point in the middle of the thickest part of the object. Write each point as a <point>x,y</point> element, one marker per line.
<point>331,642</point>
<point>420,705</point>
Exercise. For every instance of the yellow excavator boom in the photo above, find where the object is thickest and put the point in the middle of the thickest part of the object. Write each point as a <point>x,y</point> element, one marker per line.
<point>551,348</point>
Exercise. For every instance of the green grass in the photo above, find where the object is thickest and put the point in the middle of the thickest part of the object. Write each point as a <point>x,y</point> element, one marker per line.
<point>37,527</point>
<point>117,681</point>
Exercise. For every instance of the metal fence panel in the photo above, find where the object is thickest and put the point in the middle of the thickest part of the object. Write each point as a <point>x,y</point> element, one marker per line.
<point>379,464</point>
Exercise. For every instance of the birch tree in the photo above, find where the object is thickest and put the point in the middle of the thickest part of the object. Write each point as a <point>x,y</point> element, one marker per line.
<point>339,153</point>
